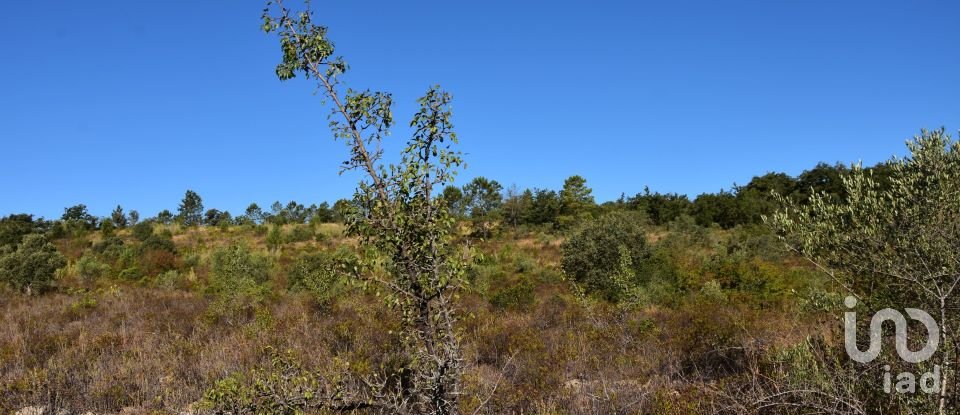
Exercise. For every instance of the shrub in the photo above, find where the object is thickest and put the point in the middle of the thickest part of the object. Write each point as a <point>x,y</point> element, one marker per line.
<point>31,266</point>
<point>157,261</point>
<point>133,273</point>
<point>591,256</point>
<point>85,302</point>
<point>321,237</point>
<point>143,230</point>
<point>237,281</point>
<point>319,275</point>
<point>518,296</point>
<point>273,390</point>
<point>170,279</point>
<point>158,243</point>
<point>525,265</point>
<point>107,227</point>
<point>89,268</point>
<point>111,247</point>
<point>157,254</point>
<point>299,234</point>
<point>274,238</point>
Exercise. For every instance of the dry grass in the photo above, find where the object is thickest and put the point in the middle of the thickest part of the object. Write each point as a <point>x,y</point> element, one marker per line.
<point>155,350</point>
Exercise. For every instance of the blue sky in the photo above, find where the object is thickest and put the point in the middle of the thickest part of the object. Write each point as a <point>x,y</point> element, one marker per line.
<point>133,102</point>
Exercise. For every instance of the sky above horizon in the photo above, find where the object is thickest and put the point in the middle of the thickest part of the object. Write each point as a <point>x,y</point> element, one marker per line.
<point>131,103</point>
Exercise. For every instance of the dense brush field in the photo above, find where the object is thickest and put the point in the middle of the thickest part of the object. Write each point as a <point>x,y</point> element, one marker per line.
<point>142,323</point>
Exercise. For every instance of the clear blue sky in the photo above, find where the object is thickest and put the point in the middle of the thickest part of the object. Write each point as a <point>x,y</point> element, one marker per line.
<point>133,102</point>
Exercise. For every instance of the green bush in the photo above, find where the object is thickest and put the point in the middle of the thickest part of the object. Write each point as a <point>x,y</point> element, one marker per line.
<point>321,237</point>
<point>107,227</point>
<point>524,265</point>
<point>284,387</point>
<point>591,256</point>
<point>133,273</point>
<point>319,275</point>
<point>274,238</point>
<point>238,280</point>
<point>143,230</point>
<point>111,247</point>
<point>300,233</point>
<point>519,296</point>
<point>158,243</point>
<point>170,279</point>
<point>89,268</point>
<point>30,267</point>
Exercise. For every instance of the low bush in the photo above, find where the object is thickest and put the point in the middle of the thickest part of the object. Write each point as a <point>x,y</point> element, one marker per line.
<point>110,247</point>
<point>518,296</point>
<point>299,233</point>
<point>89,268</point>
<point>169,280</point>
<point>319,275</point>
<point>238,282</point>
<point>143,230</point>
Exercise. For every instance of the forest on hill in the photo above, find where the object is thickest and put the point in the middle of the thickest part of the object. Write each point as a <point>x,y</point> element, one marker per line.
<point>421,296</point>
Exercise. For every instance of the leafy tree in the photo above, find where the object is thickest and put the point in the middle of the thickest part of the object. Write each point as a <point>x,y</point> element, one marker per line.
<point>277,215</point>
<point>544,207</point>
<point>717,208</point>
<point>133,217</point>
<point>482,197</point>
<point>213,217</point>
<point>323,214</point>
<point>515,205</point>
<point>822,178</point>
<point>592,255</point>
<point>165,217</point>
<point>756,198</point>
<point>190,212</point>
<point>575,201</point>
<point>30,267</point>
<point>661,208</point>
<point>78,215</point>
<point>107,227</point>
<point>398,214</point>
<point>575,197</point>
<point>453,196</point>
<point>895,247</point>
<point>341,209</point>
<point>14,227</point>
<point>118,218</point>
<point>254,213</point>
<point>295,212</point>
<point>225,220</point>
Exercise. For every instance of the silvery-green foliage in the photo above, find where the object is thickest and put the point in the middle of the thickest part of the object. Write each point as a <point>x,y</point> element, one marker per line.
<point>894,245</point>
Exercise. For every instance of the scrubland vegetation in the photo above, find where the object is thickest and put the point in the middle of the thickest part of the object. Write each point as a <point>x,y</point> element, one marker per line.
<point>420,296</point>
<point>634,306</point>
<point>125,326</point>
